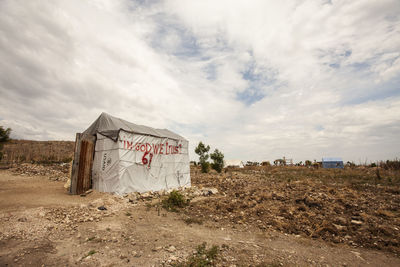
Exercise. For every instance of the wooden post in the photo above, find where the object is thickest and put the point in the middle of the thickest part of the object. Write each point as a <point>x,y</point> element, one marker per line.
<point>75,164</point>
<point>85,166</point>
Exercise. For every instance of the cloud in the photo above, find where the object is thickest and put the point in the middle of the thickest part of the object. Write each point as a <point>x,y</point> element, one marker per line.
<point>258,80</point>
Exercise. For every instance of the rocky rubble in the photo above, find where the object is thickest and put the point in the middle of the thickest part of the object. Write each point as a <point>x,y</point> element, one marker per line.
<point>55,172</point>
<point>360,215</point>
<point>189,193</point>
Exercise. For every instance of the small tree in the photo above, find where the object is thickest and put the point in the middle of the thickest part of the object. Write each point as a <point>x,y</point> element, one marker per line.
<point>218,160</point>
<point>308,163</point>
<point>202,151</point>
<point>4,137</point>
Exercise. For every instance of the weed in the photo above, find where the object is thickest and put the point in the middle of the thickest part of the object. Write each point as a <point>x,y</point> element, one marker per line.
<point>148,206</point>
<point>175,200</point>
<point>202,258</point>
<point>92,252</point>
<point>190,220</point>
<point>128,213</point>
<point>91,238</point>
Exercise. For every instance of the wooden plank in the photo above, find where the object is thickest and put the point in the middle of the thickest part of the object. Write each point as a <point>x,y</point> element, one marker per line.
<point>75,164</point>
<point>84,182</point>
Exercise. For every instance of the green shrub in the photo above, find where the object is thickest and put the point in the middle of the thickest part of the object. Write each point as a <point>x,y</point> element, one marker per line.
<point>191,220</point>
<point>205,167</point>
<point>175,200</point>
<point>202,151</point>
<point>218,160</point>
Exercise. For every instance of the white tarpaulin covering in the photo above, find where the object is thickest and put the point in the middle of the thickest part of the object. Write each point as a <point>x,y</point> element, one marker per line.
<point>134,158</point>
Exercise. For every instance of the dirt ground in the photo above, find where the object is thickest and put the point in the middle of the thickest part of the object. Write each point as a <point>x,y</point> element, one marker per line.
<point>254,221</point>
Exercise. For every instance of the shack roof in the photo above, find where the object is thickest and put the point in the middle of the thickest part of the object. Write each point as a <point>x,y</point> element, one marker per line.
<point>110,126</point>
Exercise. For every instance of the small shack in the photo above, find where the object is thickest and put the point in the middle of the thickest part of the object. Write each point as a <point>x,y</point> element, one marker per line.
<point>332,163</point>
<point>234,163</point>
<point>114,155</point>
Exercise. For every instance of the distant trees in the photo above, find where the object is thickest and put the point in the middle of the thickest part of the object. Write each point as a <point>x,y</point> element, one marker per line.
<point>218,160</point>
<point>4,137</point>
<point>216,156</point>
<point>308,163</point>
<point>202,151</point>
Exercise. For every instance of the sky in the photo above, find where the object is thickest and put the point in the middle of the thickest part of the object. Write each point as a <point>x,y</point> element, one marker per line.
<point>256,79</point>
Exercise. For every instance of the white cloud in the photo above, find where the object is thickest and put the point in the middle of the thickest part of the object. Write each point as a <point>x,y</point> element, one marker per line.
<point>257,79</point>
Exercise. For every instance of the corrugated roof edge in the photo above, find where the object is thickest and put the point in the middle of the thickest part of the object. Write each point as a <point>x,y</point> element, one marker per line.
<point>107,123</point>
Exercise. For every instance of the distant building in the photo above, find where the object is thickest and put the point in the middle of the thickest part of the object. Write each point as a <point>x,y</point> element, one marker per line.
<point>332,163</point>
<point>234,163</point>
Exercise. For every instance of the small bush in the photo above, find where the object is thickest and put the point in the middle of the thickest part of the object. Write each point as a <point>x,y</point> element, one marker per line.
<point>205,167</point>
<point>202,258</point>
<point>390,164</point>
<point>175,200</point>
<point>191,220</point>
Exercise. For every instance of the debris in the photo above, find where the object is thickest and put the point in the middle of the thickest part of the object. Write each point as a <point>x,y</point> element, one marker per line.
<point>209,191</point>
<point>87,193</point>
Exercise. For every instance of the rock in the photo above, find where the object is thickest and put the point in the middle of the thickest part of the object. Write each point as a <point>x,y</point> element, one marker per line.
<point>171,249</point>
<point>22,219</point>
<point>339,227</point>
<point>102,208</point>
<point>156,249</point>
<point>67,185</point>
<point>341,221</point>
<point>209,191</point>
<point>173,258</point>
<point>132,199</point>
<point>146,195</point>
<point>356,222</point>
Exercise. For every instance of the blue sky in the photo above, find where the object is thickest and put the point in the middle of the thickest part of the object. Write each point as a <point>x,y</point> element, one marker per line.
<point>258,80</point>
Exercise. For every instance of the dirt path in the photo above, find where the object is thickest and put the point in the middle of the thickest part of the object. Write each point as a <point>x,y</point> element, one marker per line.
<point>23,192</point>
<point>41,224</point>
